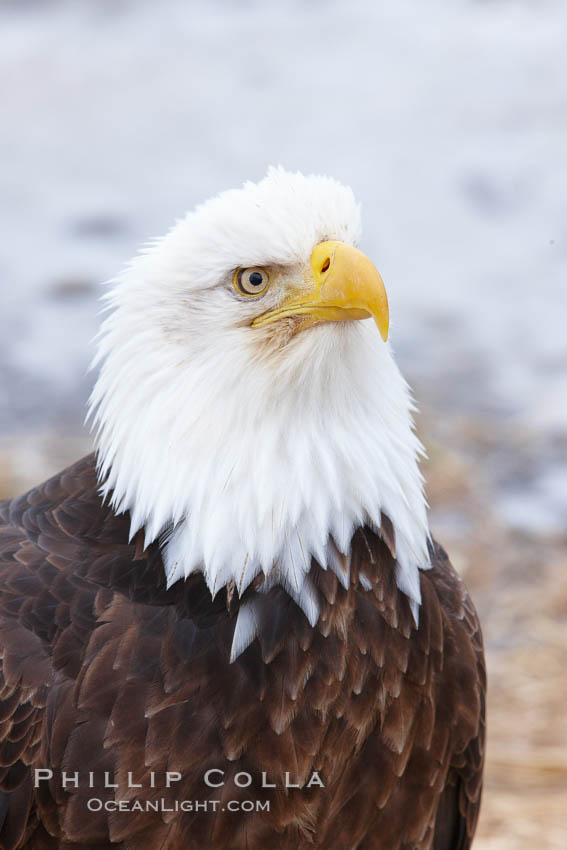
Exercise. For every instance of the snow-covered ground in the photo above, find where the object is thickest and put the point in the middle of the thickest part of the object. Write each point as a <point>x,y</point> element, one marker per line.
<point>448,118</point>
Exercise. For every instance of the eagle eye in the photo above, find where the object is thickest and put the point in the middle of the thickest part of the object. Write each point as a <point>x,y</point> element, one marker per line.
<point>252,281</point>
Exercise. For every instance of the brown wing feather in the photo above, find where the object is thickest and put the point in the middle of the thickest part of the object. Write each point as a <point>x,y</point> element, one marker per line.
<point>460,801</point>
<point>104,669</point>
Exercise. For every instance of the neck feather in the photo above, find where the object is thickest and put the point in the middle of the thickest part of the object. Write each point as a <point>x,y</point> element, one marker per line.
<point>242,470</point>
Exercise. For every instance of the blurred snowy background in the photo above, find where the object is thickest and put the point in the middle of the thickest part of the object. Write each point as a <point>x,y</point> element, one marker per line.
<point>449,120</point>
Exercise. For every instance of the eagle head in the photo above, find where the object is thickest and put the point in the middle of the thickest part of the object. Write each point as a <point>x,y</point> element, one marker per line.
<point>247,415</point>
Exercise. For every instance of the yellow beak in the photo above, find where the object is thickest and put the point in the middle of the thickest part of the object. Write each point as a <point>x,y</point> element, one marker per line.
<point>343,285</point>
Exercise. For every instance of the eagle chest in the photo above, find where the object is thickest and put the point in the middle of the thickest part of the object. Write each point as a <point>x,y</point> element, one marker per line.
<point>314,736</point>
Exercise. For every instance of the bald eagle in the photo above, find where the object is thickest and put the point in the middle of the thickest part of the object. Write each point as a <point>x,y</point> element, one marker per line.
<point>230,627</point>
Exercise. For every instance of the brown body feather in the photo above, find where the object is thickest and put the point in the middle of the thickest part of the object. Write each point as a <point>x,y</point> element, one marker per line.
<point>104,669</point>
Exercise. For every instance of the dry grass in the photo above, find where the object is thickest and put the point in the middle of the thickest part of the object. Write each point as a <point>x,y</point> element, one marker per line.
<point>519,583</point>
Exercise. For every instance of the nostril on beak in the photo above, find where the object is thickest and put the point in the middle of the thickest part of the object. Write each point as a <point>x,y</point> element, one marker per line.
<point>326,264</point>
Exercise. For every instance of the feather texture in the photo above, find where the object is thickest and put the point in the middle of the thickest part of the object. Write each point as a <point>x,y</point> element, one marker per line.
<point>105,669</point>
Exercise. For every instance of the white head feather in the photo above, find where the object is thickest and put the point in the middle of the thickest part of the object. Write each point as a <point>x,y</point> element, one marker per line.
<point>242,449</point>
